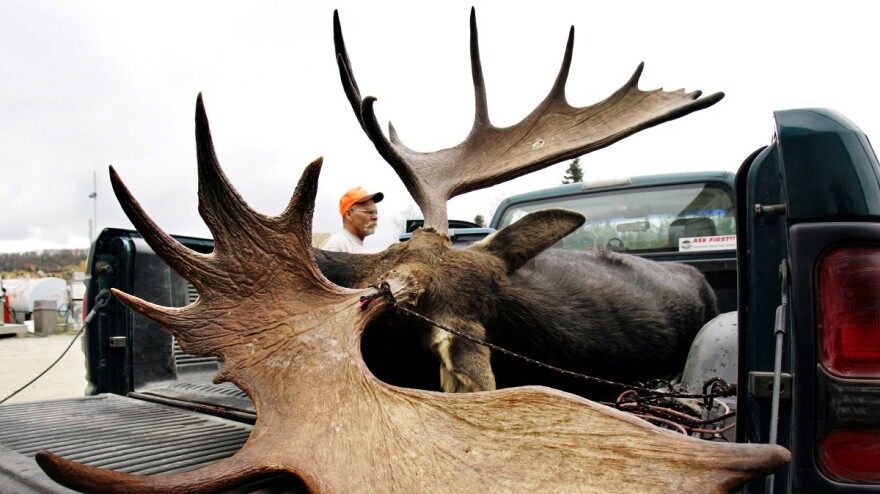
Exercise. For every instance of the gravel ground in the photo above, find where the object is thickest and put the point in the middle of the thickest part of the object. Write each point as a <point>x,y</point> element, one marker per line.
<point>23,358</point>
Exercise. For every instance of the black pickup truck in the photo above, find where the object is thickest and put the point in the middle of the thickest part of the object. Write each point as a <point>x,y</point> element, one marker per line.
<point>791,245</point>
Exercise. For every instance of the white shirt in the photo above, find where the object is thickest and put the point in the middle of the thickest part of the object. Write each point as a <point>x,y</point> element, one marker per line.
<point>343,241</point>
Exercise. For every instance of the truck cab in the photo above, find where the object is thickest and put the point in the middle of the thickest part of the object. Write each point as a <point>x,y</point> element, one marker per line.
<point>686,217</point>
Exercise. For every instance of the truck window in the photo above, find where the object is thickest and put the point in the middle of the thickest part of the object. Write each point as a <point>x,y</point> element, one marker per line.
<point>688,217</point>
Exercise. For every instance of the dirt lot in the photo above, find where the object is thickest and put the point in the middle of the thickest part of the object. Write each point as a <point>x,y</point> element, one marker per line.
<point>22,359</point>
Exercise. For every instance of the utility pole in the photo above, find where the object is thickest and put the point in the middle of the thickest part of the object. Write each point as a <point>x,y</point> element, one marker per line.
<point>93,224</point>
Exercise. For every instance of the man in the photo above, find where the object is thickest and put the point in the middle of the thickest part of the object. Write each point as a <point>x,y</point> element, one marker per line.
<point>359,218</point>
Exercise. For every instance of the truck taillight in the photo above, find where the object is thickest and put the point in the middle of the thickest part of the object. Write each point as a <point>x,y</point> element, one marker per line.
<point>847,447</point>
<point>849,301</point>
<point>851,456</point>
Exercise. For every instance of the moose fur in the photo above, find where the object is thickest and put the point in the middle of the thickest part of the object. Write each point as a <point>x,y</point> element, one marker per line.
<point>605,314</point>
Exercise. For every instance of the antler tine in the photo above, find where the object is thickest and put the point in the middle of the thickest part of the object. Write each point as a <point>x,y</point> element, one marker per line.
<point>84,478</point>
<point>481,103</point>
<point>349,85</point>
<point>180,321</point>
<point>297,217</point>
<point>553,132</point>
<point>481,113</point>
<point>183,260</point>
<point>363,110</point>
<point>558,89</point>
<point>220,205</point>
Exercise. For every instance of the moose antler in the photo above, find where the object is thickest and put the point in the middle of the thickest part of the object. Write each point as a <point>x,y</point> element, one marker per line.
<point>553,132</point>
<point>291,340</point>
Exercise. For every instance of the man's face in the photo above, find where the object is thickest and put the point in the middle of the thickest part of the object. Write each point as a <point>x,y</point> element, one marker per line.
<point>363,218</point>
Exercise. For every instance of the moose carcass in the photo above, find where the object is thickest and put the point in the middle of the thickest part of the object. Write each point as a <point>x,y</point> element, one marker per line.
<point>613,316</point>
<point>291,339</point>
<point>609,315</point>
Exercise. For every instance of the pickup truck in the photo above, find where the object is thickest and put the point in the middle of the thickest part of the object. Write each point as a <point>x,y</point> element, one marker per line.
<point>790,243</point>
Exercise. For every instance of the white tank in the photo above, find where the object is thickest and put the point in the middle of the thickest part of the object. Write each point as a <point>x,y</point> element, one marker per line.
<point>23,295</point>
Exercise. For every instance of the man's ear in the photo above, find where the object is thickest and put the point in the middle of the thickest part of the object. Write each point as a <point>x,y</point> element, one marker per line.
<point>516,244</point>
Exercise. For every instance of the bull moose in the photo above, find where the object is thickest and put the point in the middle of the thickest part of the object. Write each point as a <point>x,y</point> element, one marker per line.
<point>613,316</point>
<point>291,338</point>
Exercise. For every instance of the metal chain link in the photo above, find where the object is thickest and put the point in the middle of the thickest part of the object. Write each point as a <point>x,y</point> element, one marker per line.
<point>658,406</point>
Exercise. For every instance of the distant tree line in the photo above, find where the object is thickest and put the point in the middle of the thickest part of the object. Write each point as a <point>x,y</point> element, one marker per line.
<point>56,262</point>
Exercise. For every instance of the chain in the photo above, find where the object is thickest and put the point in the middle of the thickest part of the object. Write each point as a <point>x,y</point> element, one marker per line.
<point>663,408</point>
<point>714,388</point>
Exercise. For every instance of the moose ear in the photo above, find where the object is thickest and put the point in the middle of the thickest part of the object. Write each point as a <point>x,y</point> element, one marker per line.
<point>518,243</point>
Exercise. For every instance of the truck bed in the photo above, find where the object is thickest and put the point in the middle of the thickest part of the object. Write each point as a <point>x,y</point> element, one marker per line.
<point>122,433</point>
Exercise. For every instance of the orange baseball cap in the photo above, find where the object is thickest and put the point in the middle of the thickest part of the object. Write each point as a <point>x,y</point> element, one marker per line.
<point>355,196</point>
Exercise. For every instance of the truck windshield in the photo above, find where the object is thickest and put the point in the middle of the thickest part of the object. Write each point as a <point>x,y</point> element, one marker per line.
<point>670,218</point>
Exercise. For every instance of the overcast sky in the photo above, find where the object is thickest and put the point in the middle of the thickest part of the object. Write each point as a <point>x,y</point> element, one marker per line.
<point>87,84</point>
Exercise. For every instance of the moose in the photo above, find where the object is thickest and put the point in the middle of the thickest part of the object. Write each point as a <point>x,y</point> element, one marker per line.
<point>290,336</point>
<point>612,316</point>
<point>609,315</point>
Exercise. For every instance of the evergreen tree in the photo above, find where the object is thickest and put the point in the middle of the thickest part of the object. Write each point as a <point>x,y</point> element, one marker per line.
<point>478,219</point>
<point>573,173</point>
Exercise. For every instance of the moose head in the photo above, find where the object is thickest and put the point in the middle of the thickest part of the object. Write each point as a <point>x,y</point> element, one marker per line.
<point>291,338</point>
